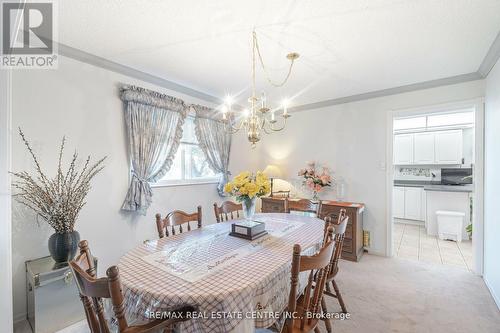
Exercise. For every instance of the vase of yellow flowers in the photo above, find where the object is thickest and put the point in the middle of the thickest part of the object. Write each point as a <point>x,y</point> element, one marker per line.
<point>247,187</point>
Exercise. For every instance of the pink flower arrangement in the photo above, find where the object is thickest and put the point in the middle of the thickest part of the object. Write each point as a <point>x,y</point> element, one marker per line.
<point>316,177</point>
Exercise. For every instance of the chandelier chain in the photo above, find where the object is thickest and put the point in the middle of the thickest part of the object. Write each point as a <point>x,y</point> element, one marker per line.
<point>268,77</point>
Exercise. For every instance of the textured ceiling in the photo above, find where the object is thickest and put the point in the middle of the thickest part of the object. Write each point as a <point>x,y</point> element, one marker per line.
<point>347,47</point>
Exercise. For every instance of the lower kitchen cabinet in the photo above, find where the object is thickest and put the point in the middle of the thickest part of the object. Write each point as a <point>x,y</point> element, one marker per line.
<point>409,203</point>
<point>413,203</point>
<point>398,202</point>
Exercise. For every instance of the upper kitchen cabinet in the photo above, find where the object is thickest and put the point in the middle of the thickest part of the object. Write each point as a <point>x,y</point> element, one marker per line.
<point>449,147</point>
<point>423,151</point>
<point>403,149</point>
<point>436,147</point>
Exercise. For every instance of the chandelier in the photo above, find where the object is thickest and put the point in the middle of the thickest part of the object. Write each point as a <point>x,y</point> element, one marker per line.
<point>258,117</point>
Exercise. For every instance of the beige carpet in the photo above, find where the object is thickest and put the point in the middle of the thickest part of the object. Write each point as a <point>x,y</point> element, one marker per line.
<point>399,295</point>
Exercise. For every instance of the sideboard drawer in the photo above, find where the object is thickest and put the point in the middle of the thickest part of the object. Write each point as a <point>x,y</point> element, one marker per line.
<point>348,231</point>
<point>347,247</point>
<point>331,211</point>
<point>353,242</point>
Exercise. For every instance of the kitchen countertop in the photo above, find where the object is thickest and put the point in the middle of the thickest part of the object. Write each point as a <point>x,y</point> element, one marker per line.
<point>434,186</point>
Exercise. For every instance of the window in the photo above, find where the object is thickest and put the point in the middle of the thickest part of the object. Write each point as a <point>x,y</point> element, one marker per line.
<point>189,165</point>
<point>409,123</point>
<point>433,121</point>
<point>461,118</point>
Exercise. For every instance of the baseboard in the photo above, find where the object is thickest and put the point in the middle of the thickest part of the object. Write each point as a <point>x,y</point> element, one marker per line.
<point>375,252</point>
<point>495,297</point>
<point>20,317</point>
<point>410,222</point>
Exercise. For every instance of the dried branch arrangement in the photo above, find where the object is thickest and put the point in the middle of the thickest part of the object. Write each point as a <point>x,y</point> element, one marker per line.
<point>60,199</point>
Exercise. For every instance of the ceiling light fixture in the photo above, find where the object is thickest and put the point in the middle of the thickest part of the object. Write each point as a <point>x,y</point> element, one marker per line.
<point>259,117</point>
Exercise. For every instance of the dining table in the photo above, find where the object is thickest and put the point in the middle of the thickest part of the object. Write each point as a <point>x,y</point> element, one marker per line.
<point>236,285</point>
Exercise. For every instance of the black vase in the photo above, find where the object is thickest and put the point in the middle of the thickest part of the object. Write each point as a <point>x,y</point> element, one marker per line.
<point>63,247</point>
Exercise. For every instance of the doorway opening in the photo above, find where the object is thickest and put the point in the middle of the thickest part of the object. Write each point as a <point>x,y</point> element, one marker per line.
<point>435,185</point>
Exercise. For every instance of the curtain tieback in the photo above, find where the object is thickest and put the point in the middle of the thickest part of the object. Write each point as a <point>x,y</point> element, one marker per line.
<point>140,179</point>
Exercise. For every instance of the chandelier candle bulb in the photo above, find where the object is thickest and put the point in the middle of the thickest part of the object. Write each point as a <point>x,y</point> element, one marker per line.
<point>255,120</point>
<point>224,112</point>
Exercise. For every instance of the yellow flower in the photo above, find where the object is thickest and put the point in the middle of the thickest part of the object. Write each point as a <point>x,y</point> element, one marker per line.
<point>245,174</point>
<point>241,179</point>
<point>243,190</point>
<point>228,188</point>
<point>261,176</point>
<point>238,182</point>
<point>252,189</point>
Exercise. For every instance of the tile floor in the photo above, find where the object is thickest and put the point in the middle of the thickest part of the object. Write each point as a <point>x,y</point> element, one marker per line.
<point>412,242</point>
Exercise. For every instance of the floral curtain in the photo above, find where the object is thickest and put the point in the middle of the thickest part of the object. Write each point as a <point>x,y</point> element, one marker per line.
<point>215,141</point>
<point>154,128</point>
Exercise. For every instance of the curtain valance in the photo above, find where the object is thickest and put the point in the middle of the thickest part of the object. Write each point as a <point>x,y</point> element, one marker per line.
<point>152,98</point>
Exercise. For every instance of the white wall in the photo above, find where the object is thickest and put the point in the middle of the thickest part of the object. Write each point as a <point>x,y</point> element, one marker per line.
<point>492,182</point>
<point>81,101</point>
<point>5,201</point>
<point>352,139</point>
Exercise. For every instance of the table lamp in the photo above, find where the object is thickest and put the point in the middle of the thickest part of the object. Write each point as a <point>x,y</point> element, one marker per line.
<point>272,171</point>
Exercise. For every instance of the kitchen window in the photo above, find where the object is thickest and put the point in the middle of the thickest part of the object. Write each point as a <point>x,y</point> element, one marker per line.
<point>457,119</point>
<point>189,165</point>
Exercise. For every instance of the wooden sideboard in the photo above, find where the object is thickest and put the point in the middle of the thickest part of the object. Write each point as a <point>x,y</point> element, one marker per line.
<point>353,242</point>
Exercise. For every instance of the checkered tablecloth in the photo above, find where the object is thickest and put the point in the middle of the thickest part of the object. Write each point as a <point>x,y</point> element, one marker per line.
<point>238,297</point>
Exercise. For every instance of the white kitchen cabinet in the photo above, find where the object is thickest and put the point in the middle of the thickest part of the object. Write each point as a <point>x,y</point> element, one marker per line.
<point>423,148</point>
<point>403,149</point>
<point>448,147</point>
<point>426,148</point>
<point>408,203</point>
<point>398,202</point>
<point>413,203</point>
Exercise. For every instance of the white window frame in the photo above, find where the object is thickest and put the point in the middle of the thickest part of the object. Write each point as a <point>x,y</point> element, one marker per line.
<point>428,128</point>
<point>185,182</point>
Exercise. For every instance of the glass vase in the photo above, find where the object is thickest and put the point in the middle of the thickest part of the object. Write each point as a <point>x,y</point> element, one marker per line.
<point>315,197</point>
<point>249,207</point>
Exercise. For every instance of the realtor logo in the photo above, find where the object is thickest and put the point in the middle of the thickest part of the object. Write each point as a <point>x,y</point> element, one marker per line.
<point>27,35</point>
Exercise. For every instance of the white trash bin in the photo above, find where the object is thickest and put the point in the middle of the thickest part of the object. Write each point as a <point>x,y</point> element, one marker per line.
<point>450,225</point>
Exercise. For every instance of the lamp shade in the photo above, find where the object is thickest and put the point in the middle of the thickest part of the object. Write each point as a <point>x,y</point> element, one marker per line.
<point>272,171</point>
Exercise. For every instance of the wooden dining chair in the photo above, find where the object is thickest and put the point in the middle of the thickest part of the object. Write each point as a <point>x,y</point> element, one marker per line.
<point>93,290</point>
<point>309,302</point>
<point>177,218</point>
<point>340,227</point>
<point>302,205</point>
<point>228,210</point>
